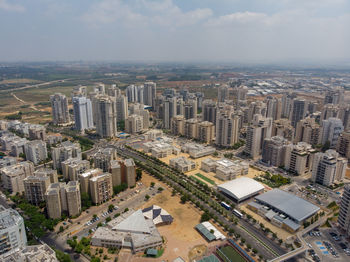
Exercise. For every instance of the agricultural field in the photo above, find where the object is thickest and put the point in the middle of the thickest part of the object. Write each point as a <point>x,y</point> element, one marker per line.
<point>229,254</point>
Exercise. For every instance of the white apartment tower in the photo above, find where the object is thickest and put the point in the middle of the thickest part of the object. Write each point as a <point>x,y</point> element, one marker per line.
<point>82,113</point>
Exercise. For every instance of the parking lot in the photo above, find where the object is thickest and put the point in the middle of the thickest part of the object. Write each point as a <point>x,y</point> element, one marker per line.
<point>327,245</point>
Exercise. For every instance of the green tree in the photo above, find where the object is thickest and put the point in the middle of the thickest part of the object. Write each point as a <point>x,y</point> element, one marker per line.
<point>138,174</point>
<point>110,207</point>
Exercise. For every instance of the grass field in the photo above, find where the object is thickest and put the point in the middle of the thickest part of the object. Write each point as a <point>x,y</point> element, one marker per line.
<point>205,178</point>
<point>229,254</point>
<point>197,179</point>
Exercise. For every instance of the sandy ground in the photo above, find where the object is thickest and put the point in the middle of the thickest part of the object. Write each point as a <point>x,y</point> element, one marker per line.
<point>281,233</point>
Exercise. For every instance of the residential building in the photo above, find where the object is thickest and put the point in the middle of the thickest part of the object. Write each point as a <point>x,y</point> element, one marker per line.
<point>328,168</point>
<point>102,158</point>
<point>36,151</point>
<point>101,188</point>
<point>63,197</point>
<point>106,116</point>
<point>343,146</point>
<point>273,151</point>
<point>209,110</point>
<point>206,132</point>
<point>307,131</point>
<point>223,93</point>
<point>299,158</point>
<point>299,111</point>
<point>178,125</point>
<point>72,167</point>
<point>60,111</point>
<point>35,253</point>
<point>35,188</point>
<point>51,173</point>
<point>64,151</point>
<point>330,131</point>
<point>191,128</point>
<point>12,176</point>
<point>344,211</point>
<point>85,177</point>
<point>149,93</point>
<point>260,129</point>
<point>37,132</point>
<point>12,231</point>
<point>227,128</point>
<point>7,161</point>
<point>282,127</point>
<point>134,124</point>
<point>122,108</point>
<point>83,116</point>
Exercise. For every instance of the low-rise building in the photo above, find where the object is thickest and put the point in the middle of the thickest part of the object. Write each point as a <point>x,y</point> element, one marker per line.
<point>225,169</point>
<point>160,149</point>
<point>129,230</point>
<point>197,150</point>
<point>37,253</point>
<point>182,164</point>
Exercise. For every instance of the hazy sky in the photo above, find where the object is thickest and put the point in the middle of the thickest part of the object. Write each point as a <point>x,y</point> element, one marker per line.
<point>173,30</point>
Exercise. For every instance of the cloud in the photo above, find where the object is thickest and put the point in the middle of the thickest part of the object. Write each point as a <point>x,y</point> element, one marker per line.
<point>5,5</point>
<point>142,12</point>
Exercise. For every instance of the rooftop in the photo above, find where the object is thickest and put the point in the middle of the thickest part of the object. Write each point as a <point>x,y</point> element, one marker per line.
<point>291,205</point>
<point>241,187</point>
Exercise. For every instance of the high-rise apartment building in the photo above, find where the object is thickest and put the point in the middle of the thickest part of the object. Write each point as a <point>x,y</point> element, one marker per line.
<point>72,167</point>
<point>299,158</point>
<point>328,168</point>
<point>223,93</point>
<point>102,158</point>
<point>273,108</point>
<point>60,111</point>
<point>35,151</point>
<point>299,110</point>
<point>12,176</point>
<point>63,197</point>
<point>83,115</point>
<point>177,125</point>
<point>334,96</point>
<point>64,151</point>
<point>12,231</point>
<point>209,110</point>
<point>134,124</point>
<point>307,131</point>
<point>260,129</point>
<point>344,211</point>
<point>122,108</point>
<point>206,132</point>
<point>35,188</point>
<point>169,111</point>
<point>274,150</point>
<point>343,146</point>
<point>101,188</point>
<point>106,113</point>
<point>227,128</point>
<point>85,177</point>
<point>149,93</point>
<point>282,127</point>
<point>330,131</point>
<point>51,173</point>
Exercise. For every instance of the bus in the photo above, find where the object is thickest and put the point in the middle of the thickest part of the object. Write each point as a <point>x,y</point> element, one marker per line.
<point>225,205</point>
<point>237,213</point>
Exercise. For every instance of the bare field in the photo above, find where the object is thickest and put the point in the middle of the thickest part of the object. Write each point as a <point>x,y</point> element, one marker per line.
<point>19,81</point>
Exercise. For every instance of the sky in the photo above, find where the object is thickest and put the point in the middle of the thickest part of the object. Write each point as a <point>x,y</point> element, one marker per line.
<point>238,31</point>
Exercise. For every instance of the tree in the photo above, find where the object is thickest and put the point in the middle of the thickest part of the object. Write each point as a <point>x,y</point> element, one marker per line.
<point>138,174</point>
<point>61,229</point>
<point>326,146</point>
<point>205,217</point>
<point>108,219</point>
<point>147,197</point>
<point>160,189</point>
<point>152,184</point>
<point>184,199</point>
<point>110,207</point>
<point>85,200</point>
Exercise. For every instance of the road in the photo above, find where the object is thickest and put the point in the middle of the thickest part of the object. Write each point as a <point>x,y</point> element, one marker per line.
<point>264,245</point>
<point>35,85</point>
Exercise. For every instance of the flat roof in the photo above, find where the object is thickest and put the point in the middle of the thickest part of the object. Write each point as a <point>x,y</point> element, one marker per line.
<point>241,188</point>
<point>289,204</point>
